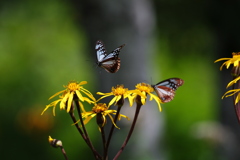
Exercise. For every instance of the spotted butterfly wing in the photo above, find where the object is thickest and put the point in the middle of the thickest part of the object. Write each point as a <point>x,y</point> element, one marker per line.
<point>110,62</point>
<point>166,89</point>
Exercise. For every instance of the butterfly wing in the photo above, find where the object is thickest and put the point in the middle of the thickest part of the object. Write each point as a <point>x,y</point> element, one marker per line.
<point>110,62</point>
<point>166,89</point>
<point>100,50</point>
<point>111,65</point>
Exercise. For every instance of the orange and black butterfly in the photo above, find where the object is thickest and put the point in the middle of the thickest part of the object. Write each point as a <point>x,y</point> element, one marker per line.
<point>108,61</point>
<point>166,89</point>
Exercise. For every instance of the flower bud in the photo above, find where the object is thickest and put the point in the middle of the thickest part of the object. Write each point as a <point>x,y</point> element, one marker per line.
<point>54,142</point>
<point>101,120</point>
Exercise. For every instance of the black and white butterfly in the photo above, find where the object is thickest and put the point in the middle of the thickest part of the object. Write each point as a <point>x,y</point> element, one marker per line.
<point>109,61</point>
<point>166,89</point>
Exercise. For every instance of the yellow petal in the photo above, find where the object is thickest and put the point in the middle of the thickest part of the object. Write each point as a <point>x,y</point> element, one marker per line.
<point>143,100</point>
<point>221,59</point>
<point>47,106</point>
<point>81,106</point>
<point>86,114</point>
<point>50,139</point>
<point>118,98</point>
<point>121,115</point>
<point>113,121</point>
<point>79,95</point>
<point>70,99</point>
<point>233,81</point>
<point>234,91</point>
<point>103,97</point>
<point>228,64</point>
<point>159,106</point>
<point>89,94</point>
<point>131,100</point>
<point>62,106</point>
<point>76,122</point>
<point>56,94</point>
<point>65,97</point>
<point>236,63</point>
<point>112,101</point>
<point>237,99</point>
<point>52,104</point>
<point>222,66</point>
<point>89,118</point>
<point>82,83</point>
<point>100,93</point>
<point>88,100</point>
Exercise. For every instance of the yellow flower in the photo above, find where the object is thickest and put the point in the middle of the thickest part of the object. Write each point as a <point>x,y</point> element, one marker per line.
<point>101,111</point>
<point>147,89</point>
<point>119,92</point>
<point>234,91</point>
<point>234,60</point>
<point>72,89</point>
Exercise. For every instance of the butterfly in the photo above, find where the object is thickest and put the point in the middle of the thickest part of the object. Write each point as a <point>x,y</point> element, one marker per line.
<point>166,89</point>
<point>110,62</point>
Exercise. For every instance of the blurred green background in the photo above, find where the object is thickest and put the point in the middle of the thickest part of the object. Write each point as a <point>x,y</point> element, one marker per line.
<point>42,48</point>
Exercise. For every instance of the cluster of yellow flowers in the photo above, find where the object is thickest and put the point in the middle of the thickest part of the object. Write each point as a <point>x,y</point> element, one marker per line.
<point>235,73</point>
<point>73,97</point>
<point>235,83</point>
<point>74,90</point>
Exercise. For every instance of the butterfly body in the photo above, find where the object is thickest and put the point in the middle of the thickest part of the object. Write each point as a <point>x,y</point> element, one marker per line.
<point>166,89</point>
<point>110,62</point>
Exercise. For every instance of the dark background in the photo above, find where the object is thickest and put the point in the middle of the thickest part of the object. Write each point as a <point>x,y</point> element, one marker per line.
<point>45,44</point>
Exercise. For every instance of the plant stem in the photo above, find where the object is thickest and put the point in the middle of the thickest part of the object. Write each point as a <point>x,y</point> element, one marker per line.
<point>81,120</point>
<point>64,153</point>
<point>130,131</point>
<point>76,125</point>
<point>87,139</point>
<point>119,104</point>
<point>104,142</point>
<point>113,127</point>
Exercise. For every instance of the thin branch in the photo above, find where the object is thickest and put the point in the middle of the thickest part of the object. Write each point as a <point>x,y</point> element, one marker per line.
<point>130,131</point>
<point>119,104</point>
<point>104,142</point>
<point>87,139</point>
<point>113,127</point>
<point>64,153</point>
<point>76,125</point>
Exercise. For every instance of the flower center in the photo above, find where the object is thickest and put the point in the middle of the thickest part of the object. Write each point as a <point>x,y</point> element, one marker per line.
<point>143,87</point>
<point>119,90</point>
<point>100,107</point>
<point>236,54</point>
<point>73,86</point>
